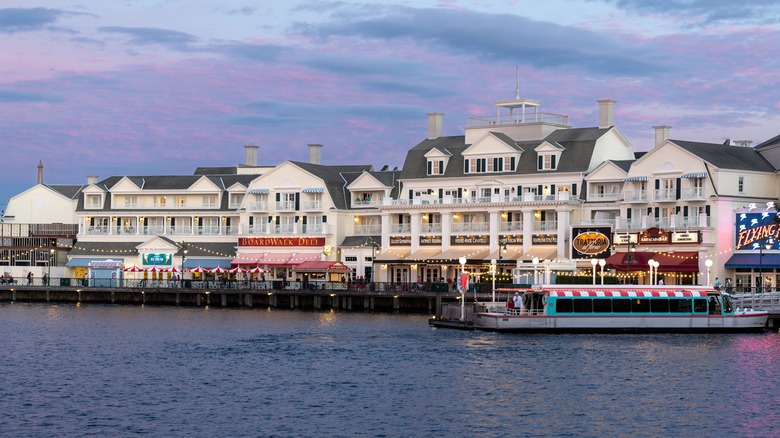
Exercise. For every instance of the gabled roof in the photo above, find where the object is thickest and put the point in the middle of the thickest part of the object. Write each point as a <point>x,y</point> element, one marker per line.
<point>68,191</point>
<point>623,164</point>
<point>335,183</point>
<point>215,171</point>
<point>727,157</point>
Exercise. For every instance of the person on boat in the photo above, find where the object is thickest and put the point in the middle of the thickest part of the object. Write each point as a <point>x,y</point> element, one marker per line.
<point>510,303</point>
<point>518,301</point>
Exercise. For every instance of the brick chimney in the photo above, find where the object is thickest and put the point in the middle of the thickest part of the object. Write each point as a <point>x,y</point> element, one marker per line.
<point>606,113</point>
<point>434,125</point>
<point>40,172</point>
<point>251,155</point>
<point>661,134</point>
<point>315,153</point>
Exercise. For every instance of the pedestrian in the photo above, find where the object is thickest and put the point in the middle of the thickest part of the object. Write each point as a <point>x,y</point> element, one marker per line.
<point>29,277</point>
<point>518,302</point>
<point>728,285</point>
<point>660,281</point>
<point>45,278</point>
<point>717,283</point>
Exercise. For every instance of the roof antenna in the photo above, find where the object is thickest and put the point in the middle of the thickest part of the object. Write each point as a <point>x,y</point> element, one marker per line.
<point>517,82</point>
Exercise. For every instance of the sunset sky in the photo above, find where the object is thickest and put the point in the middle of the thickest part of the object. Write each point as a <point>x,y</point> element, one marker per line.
<point>137,87</point>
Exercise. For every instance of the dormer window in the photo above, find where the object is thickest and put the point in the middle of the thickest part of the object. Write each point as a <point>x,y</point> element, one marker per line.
<point>435,167</point>
<point>546,162</point>
<point>489,165</point>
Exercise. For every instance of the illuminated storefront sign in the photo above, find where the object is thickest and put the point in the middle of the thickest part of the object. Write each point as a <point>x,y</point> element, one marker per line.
<point>469,240</point>
<point>653,236</point>
<point>281,241</point>
<point>754,227</point>
<point>430,240</point>
<point>400,240</point>
<point>686,237</point>
<point>588,242</point>
<point>157,259</point>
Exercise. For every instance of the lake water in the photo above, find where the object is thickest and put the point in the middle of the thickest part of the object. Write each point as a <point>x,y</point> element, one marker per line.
<point>101,370</point>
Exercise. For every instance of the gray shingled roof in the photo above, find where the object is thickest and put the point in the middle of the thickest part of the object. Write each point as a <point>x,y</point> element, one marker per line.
<point>623,164</point>
<point>68,191</point>
<point>727,157</point>
<point>362,241</point>
<point>578,145</point>
<point>335,183</point>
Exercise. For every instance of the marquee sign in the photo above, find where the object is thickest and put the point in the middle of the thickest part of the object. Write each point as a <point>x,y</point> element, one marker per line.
<point>686,237</point>
<point>654,236</point>
<point>400,240</point>
<point>281,241</point>
<point>591,241</point>
<point>755,228</point>
<point>157,259</point>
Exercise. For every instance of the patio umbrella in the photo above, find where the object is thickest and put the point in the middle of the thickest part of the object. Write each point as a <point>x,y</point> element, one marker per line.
<point>257,270</point>
<point>237,270</point>
<point>134,269</point>
<point>172,269</point>
<point>199,270</point>
<point>154,269</point>
<point>218,270</point>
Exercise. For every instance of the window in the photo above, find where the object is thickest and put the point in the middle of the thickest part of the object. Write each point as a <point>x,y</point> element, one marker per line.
<point>210,201</point>
<point>660,305</point>
<point>679,305</point>
<point>700,304</point>
<point>741,184</point>
<point>180,201</point>
<point>640,305</point>
<point>583,305</point>
<point>563,305</point>
<point>160,201</point>
<point>131,201</point>
<point>435,167</point>
<point>546,162</point>
<point>602,305</point>
<point>621,306</point>
<point>93,201</point>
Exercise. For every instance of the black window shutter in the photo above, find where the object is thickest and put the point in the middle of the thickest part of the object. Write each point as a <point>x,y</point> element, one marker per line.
<point>520,191</point>
<point>657,212</point>
<point>304,219</point>
<point>539,165</point>
<point>552,189</point>
<point>649,211</point>
<point>297,218</point>
<point>200,221</point>
<point>552,162</point>
<point>430,167</point>
<point>460,193</point>
<point>270,219</point>
<point>677,188</point>
<point>441,193</point>
<point>707,210</point>
<point>297,201</point>
<point>251,220</point>
<point>400,219</point>
<point>512,163</point>
<point>657,184</point>
<point>324,219</point>
<point>628,213</point>
<point>509,217</point>
<point>677,210</point>
<point>173,221</point>
<point>685,211</point>
<point>277,220</point>
<point>466,166</point>
<point>278,196</point>
<point>441,167</point>
<point>411,194</point>
<point>539,190</point>
<point>574,189</point>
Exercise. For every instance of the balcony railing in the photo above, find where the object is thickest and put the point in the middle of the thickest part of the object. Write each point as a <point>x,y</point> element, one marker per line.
<point>368,230</point>
<point>664,195</point>
<point>545,225</point>
<point>312,206</point>
<point>692,193</point>
<point>517,119</point>
<point>469,227</point>
<point>511,226</point>
<point>430,228</point>
<point>258,206</point>
<point>360,203</point>
<point>449,200</point>
<point>604,196</point>
<point>285,206</point>
<point>635,196</point>
<point>400,228</point>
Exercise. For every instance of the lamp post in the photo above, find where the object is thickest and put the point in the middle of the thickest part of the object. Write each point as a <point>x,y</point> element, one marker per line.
<point>462,283</point>
<point>656,264</point>
<point>51,256</point>
<point>602,262</point>
<point>593,263</point>
<point>708,264</point>
<point>493,264</point>
<point>183,258</point>
<point>651,262</point>
<point>628,256</point>
<point>535,261</point>
<point>760,283</point>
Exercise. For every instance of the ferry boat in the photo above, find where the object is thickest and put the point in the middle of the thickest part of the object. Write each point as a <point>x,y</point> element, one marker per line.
<point>594,309</point>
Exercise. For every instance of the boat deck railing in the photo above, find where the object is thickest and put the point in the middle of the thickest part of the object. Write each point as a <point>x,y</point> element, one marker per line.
<point>769,301</point>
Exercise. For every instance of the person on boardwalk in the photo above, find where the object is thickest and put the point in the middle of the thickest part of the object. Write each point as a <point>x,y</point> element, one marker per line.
<point>717,283</point>
<point>29,277</point>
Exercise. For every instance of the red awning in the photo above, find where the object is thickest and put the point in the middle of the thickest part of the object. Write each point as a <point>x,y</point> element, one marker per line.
<point>322,266</point>
<point>247,259</point>
<point>680,261</point>
<point>300,257</point>
<point>276,259</point>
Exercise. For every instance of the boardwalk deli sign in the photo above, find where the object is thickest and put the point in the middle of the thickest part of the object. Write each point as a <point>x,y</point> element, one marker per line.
<point>281,241</point>
<point>755,228</point>
<point>590,242</point>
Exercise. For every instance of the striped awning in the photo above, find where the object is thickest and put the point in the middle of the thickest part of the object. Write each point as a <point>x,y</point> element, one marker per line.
<point>636,178</point>
<point>259,191</point>
<point>313,190</point>
<point>83,262</point>
<point>675,293</point>
<point>695,175</point>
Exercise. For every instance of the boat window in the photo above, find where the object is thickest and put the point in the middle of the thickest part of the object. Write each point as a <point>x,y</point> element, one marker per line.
<point>583,305</point>
<point>640,305</point>
<point>602,305</point>
<point>563,305</point>
<point>700,305</point>
<point>621,305</point>
<point>659,305</point>
<point>727,306</point>
<point>680,305</point>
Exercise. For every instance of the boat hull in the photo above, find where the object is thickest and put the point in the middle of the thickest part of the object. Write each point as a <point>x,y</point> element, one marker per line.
<point>742,322</point>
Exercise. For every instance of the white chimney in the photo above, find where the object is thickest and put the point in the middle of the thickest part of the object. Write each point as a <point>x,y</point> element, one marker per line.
<point>743,143</point>
<point>315,153</point>
<point>434,125</point>
<point>40,172</point>
<point>251,155</point>
<point>661,134</point>
<point>606,113</point>
<point>92,179</point>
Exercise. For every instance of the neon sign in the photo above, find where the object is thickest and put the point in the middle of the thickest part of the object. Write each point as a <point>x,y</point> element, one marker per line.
<point>757,228</point>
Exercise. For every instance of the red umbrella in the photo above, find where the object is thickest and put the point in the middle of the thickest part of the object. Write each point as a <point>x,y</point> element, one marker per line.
<point>218,270</point>
<point>199,269</point>
<point>236,270</point>
<point>172,269</point>
<point>257,270</point>
<point>154,269</point>
<point>134,269</point>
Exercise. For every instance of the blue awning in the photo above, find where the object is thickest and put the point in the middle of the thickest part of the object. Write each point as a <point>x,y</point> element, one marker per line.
<point>754,260</point>
<point>207,263</point>
<point>83,262</point>
<point>259,191</point>
<point>695,175</point>
<point>636,178</point>
<point>313,190</point>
